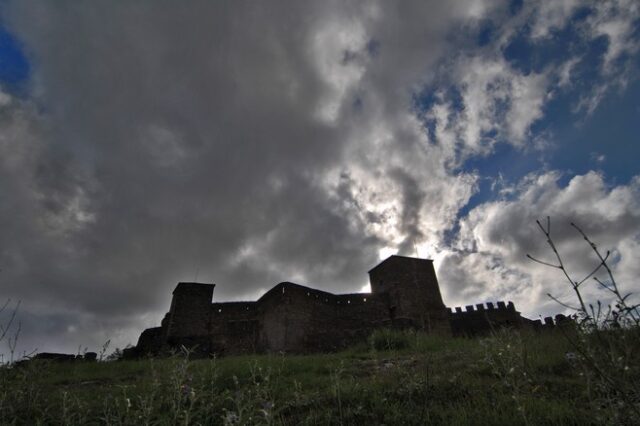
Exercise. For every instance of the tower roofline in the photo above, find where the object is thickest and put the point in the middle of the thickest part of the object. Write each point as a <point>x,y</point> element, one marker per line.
<point>399,257</point>
<point>192,286</point>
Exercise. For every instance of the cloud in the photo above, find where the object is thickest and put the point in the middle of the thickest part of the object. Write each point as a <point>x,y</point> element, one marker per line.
<point>492,102</point>
<point>550,16</point>
<point>243,145</point>
<point>616,22</point>
<point>249,144</point>
<point>489,260</point>
<point>543,24</point>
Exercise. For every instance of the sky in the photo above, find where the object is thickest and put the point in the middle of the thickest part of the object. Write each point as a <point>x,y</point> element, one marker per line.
<point>248,143</point>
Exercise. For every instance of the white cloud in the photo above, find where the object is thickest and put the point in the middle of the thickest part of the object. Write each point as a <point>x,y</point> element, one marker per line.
<point>565,70</point>
<point>615,20</point>
<point>489,262</point>
<point>551,15</point>
<point>499,103</point>
<point>337,50</point>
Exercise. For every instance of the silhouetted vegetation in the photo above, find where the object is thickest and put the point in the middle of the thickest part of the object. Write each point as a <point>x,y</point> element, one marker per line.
<point>606,337</point>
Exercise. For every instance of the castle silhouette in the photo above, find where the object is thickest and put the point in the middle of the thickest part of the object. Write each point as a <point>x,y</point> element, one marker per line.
<point>405,294</point>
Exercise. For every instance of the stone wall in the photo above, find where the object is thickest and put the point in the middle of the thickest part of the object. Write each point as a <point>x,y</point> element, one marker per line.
<point>234,327</point>
<point>481,319</point>
<point>550,323</point>
<point>294,318</point>
<point>188,322</point>
<point>414,292</point>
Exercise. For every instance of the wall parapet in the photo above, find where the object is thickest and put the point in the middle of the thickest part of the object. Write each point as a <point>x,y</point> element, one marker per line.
<point>559,320</point>
<point>482,307</point>
<point>291,317</point>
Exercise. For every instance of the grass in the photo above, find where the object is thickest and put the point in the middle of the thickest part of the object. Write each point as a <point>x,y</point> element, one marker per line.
<point>508,379</point>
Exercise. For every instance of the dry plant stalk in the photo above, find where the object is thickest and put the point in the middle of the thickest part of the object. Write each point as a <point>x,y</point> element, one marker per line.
<point>607,338</point>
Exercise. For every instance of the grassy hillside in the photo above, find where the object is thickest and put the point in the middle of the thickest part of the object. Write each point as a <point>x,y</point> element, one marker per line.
<point>397,378</point>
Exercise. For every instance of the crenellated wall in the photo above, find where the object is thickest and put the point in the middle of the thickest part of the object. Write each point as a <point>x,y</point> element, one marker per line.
<point>482,319</point>
<point>549,323</point>
<point>294,318</point>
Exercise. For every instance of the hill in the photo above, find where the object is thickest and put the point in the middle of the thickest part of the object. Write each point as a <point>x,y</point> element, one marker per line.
<point>397,378</point>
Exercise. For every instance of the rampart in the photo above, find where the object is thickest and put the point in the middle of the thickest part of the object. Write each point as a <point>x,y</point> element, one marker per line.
<point>293,318</point>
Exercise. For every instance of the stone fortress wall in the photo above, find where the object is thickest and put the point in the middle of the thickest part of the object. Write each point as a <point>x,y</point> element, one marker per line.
<point>293,318</point>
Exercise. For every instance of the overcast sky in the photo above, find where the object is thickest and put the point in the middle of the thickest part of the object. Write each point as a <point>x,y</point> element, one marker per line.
<point>247,143</point>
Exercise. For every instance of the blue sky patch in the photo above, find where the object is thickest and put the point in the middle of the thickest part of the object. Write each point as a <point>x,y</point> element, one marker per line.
<point>14,66</point>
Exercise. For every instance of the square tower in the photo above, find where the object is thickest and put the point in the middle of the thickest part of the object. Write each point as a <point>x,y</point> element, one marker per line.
<point>189,315</point>
<point>413,291</point>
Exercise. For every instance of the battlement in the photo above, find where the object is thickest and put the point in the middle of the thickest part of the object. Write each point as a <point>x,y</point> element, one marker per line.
<point>483,318</point>
<point>481,307</point>
<point>551,322</point>
<point>295,318</point>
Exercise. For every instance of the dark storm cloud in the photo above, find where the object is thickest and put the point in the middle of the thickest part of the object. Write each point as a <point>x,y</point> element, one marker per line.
<point>243,144</point>
<point>173,142</point>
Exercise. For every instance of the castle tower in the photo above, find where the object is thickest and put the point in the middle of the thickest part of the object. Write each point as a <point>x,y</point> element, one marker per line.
<point>190,315</point>
<point>413,291</point>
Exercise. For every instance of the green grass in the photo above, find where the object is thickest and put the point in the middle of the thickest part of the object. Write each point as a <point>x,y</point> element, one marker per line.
<point>509,379</point>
